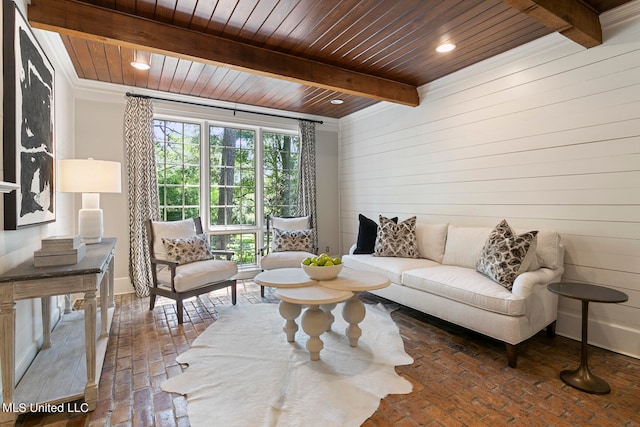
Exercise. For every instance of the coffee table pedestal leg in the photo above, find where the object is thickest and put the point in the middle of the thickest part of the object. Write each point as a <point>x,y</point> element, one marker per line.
<point>328,308</point>
<point>582,378</point>
<point>314,323</point>
<point>290,313</point>
<point>353,313</point>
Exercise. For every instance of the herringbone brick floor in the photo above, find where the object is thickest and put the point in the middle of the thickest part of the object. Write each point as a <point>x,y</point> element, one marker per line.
<point>460,378</point>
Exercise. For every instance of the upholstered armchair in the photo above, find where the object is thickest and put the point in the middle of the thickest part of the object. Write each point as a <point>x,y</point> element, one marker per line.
<point>183,265</point>
<point>289,240</point>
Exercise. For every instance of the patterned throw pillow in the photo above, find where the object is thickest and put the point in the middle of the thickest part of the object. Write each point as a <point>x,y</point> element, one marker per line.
<point>504,255</point>
<point>397,240</point>
<point>292,240</point>
<point>190,249</point>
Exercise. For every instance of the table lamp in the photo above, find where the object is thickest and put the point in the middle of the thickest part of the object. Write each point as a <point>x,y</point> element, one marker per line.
<point>89,177</point>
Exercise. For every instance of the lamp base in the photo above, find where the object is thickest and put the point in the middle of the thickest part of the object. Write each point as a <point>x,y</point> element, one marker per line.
<point>90,225</point>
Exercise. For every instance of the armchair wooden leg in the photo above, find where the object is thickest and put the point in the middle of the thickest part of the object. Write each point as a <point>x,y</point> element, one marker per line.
<point>179,310</point>
<point>152,301</point>
<point>512,354</point>
<point>234,293</point>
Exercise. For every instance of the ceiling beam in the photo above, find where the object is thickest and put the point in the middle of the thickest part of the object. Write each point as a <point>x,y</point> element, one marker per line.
<point>571,18</point>
<point>110,26</point>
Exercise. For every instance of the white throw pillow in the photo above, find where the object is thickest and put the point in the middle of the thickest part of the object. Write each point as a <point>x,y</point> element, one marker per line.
<point>431,240</point>
<point>464,245</point>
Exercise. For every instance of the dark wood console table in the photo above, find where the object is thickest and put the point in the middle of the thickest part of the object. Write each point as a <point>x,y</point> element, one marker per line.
<point>582,378</point>
<point>57,373</point>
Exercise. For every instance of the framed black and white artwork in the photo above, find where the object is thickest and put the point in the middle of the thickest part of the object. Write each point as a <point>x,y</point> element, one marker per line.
<point>28,134</point>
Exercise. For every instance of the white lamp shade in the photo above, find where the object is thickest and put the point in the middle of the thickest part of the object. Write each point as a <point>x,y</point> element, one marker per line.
<point>89,176</point>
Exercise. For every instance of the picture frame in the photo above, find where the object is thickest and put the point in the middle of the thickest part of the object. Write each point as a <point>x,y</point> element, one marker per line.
<point>29,124</point>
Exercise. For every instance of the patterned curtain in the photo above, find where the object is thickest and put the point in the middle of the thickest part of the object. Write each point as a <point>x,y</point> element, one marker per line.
<point>143,188</point>
<point>306,204</point>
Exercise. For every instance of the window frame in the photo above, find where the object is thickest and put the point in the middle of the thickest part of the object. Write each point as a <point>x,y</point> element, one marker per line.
<point>259,127</point>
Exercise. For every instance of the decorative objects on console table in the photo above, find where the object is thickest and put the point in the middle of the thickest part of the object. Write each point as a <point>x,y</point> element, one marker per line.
<point>59,250</point>
<point>68,365</point>
<point>582,378</point>
<point>89,177</point>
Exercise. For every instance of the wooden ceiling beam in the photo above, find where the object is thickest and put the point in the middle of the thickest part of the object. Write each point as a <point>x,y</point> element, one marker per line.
<point>571,18</point>
<point>75,18</point>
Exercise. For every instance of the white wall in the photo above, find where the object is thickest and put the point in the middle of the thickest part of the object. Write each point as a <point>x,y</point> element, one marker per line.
<point>18,246</point>
<point>546,136</point>
<point>99,131</point>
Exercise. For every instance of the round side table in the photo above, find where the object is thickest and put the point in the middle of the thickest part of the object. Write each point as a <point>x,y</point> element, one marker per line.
<point>582,378</point>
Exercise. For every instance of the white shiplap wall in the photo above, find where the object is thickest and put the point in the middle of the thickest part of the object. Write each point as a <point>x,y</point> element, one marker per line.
<point>546,136</point>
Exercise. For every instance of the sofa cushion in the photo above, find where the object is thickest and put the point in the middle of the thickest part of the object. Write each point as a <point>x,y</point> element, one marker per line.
<point>506,255</point>
<point>397,240</point>
<point>390,267</point>
<point>464,245</point>
<point>189,249</point>
<point>367,233</point>
<point>431,240</point>
<point>199,273</point>
<point>292,240</point>
<point>467,286</point>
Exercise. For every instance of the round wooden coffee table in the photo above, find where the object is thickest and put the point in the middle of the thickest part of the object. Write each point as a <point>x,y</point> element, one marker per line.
<point>354,311</point>
<point>295,289</point>
<point>316,319</point>
<point>582,378</point>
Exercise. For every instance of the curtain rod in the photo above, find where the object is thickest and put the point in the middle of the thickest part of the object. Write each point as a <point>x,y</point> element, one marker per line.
<point>220,108</point>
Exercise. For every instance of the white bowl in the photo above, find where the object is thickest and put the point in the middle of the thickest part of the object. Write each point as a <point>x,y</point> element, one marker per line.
<point>322,273</point>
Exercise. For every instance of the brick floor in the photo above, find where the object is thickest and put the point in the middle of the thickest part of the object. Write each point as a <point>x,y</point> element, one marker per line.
<point>460,378</point>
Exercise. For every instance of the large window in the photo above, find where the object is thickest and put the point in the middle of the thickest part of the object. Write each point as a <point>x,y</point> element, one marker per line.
<point>232,179</point>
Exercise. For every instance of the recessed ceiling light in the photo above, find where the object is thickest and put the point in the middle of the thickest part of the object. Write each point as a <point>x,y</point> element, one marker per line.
<point>140,65</point>
<point>337,101</point>
<point>445,47</point>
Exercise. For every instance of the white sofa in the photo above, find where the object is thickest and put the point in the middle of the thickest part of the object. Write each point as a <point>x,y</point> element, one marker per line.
<point>444,283</point>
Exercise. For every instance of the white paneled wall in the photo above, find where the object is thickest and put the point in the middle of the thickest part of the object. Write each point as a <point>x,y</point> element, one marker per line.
<point>546,136</point>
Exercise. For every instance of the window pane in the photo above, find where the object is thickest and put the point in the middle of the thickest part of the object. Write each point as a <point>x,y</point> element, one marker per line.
<point>192,196</point>
<point>243,246</point>
<point>281,157</point>
<point>177,146</point>
<point>232,175</point>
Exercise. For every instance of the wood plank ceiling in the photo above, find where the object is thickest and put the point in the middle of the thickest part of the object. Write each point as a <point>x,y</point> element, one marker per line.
<point>298,55</point>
